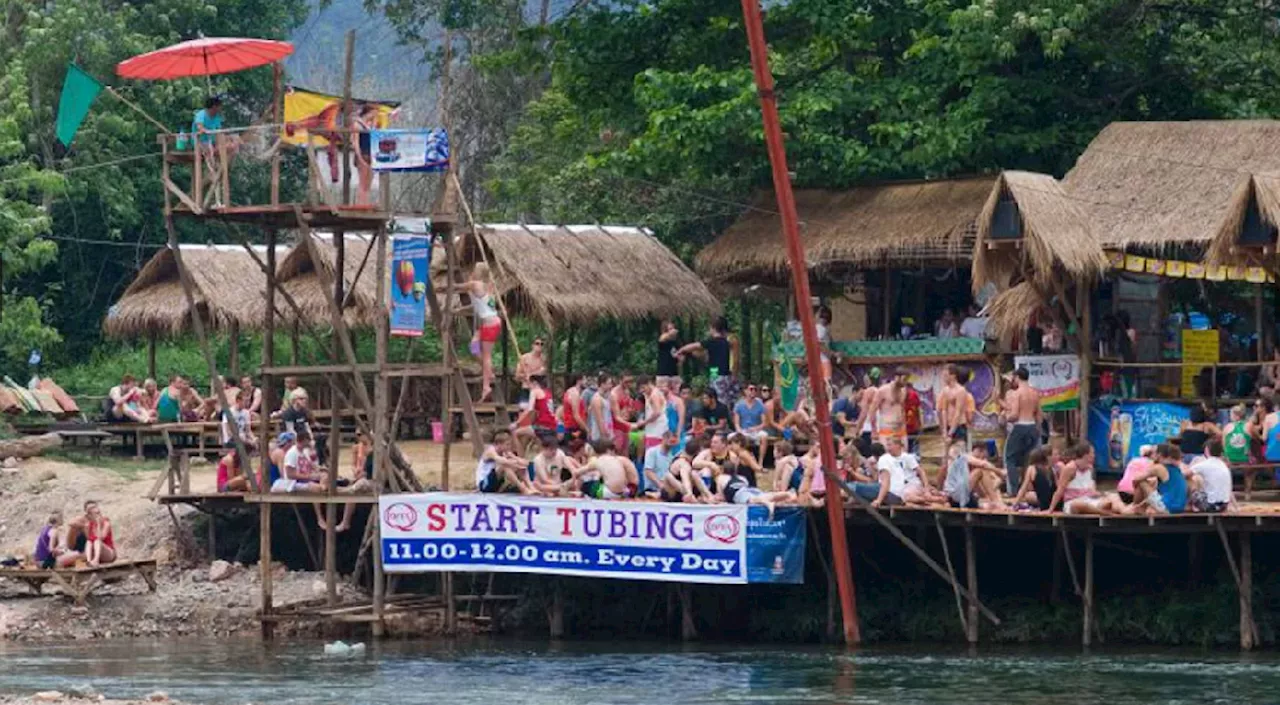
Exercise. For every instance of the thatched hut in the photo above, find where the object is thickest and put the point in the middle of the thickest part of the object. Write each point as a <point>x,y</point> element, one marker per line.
<point>1034,243</point>
<point>579,274</point>
<point>902,224</point>
<point>1157,185</point>
<point>299,275</point>
<point>229,289</point>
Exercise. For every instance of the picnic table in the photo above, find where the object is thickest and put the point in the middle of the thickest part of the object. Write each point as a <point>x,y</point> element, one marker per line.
<point>79,583</point>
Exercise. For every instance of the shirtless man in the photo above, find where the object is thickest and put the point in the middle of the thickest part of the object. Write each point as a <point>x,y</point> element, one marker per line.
<point>618,478</point>
<point>552,469</point>
<point>866,401</point>
<point>1022,409</point>
<point>955,406</point>
<point>890,420</point>
<point>530,364</point>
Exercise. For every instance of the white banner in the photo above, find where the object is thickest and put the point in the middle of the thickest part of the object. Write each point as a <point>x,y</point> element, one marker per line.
<point>441,531</point>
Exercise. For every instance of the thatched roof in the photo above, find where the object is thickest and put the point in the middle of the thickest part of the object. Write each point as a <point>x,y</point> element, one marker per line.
<point>1010,311</point>
<point>1162,184</point>
<point>229,288</point>
<point>579,274</point>
<point>1057,243</point>
<point>300,277</point>
<point>893,224</point>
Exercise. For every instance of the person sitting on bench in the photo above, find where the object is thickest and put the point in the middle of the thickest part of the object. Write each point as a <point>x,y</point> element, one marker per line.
<point>125,402</point>
<point>50,549</point>
<point>90,535</point>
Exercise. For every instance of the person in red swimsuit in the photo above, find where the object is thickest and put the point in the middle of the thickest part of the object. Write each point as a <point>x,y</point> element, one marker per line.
<point>100,544</point>
<point>538,419</point>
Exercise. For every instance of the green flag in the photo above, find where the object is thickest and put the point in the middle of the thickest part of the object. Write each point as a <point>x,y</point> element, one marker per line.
<point>78,93</point>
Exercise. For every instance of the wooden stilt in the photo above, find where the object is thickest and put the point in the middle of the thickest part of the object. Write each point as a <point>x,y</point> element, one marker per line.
<point>268,356</point>
<point>1195,557</point>
<point>1248,628</point>
<point>335,424</point>
<point>264,568</point>
<point>1085,308</point>
<point>294,335</point>
<point>1088,589</point>
<point>381,433</point>
<point>1055,579</point>
<point>688,627</point>
<point>955,584</point>
<point>213,535</point>
<point>555,614</point>
<point>971,569</point>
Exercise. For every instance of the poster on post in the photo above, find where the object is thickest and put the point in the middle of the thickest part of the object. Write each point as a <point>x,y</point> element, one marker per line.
<point>1056,377</point>
<point>410,262</point>
<point>442,531</point>
<point>409,150</point>
<point>1198,346</point>
<point>1117,430</point>
<point>775,545</point>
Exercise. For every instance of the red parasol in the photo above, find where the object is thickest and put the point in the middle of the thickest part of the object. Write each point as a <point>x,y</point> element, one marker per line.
<point>204,57</point>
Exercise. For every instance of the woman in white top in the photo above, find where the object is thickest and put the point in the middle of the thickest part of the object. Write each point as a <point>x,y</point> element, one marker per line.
<point>488,323</point>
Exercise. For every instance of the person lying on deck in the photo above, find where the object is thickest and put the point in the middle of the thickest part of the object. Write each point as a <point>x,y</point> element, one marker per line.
<point>89,535</point>
<point>971,481</point>
<point>733,488</point>
<point>1077,493</point>
<point>499,469</point>
<point>615,475</point>
<point>1169,495</point>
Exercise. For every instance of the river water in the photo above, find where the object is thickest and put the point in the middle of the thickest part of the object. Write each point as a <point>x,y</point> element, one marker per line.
<point>231,672</point>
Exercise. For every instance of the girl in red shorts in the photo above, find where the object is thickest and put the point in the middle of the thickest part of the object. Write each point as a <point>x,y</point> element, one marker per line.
<point>488,323</point>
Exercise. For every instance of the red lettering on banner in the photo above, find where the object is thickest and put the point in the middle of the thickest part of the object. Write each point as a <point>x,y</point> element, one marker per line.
<point>435,517</point>
<point>566,513</point>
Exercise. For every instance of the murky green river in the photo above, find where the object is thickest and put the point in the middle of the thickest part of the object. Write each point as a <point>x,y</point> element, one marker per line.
<point>231,672</point>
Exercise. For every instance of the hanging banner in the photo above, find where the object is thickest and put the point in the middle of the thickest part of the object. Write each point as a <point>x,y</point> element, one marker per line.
<point>1056,377</point>
<point>314,116</point>
<point>410,262</point>
<point>775,547</point>
<point>1118,430</point>
<point>1198,346</point>
<point>1176,269</point>
<point>441,531</point>
<point>410,150</point>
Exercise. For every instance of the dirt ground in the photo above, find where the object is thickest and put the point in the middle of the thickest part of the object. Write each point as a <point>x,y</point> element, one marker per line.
<point>185,601</point>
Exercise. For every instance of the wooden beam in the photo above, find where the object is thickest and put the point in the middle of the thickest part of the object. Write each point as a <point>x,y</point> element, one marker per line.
<point>381,435</point>
<point>1248,627</point>
<point>946,555</point>
<point>151,354</point>
<point>233,350</point>
<point>264,568</point>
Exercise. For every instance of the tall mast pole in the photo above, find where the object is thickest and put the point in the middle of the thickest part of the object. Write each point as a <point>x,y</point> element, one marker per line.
<point>800,282</point>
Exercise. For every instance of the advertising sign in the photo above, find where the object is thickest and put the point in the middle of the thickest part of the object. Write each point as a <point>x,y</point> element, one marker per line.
<point>410,262</point>
<point>409,150</point>
<point>1056,377</point>
<point>443,531</point>
<point>1118,430</point>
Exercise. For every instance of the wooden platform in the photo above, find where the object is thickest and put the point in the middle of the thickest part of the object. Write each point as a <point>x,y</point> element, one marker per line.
<point>79,583</point>
<point>201,499</point>
<point>282,216</point>
<point>1254,517</point>
<point>312,498</point>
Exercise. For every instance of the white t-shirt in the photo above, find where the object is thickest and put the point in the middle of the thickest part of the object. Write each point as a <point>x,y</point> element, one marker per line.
<point>973,327</point>
<point>900,469</point>
<point>291,459</point>
<point>1217,479</point>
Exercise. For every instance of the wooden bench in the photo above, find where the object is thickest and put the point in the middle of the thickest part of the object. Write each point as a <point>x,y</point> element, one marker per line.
<point>79,583</point>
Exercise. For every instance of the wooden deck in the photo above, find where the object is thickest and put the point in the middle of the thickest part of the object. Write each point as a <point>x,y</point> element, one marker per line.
<point>79,583</point>
<point>283,216</point>
<point>1253,517</point>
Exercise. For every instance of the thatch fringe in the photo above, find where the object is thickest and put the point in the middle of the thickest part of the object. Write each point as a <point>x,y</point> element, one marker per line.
<point>299,275</point>
<point>904,224</point>
<point>1253,191</point>
<point>1009,312</point>
<point>1057,242</point>
<point>229,289</point>
<point>578,274</point>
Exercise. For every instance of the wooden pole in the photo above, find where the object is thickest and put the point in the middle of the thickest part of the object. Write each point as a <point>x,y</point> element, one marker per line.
<point>294,335</point>
<point>688,627</point>
<point>264,568</point>
<point>446,383</point>
<point>381,438</point>
<point>1248,627</point>
<point>754,26</point>
<point>268,357</point>
<point>151,354</point>
<point>555,615</point>
<point>233,350</point>
<point>1258,324</point>
<point>748,358</point>
<point>506,364</point>
<point>971,568</point>
<point>1085,307</point>
<point>888,304</point>
<point>1087,637</point>
<point>568,358</point>
<point>277,117</point>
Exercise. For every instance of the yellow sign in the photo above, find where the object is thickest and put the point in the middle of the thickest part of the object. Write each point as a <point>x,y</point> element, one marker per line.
<point>1177,269</point>
<point>1198,346</point>
<point>306,112</point>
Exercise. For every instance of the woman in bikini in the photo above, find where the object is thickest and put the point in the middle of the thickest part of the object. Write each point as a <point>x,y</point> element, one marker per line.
<point>484,296</point>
